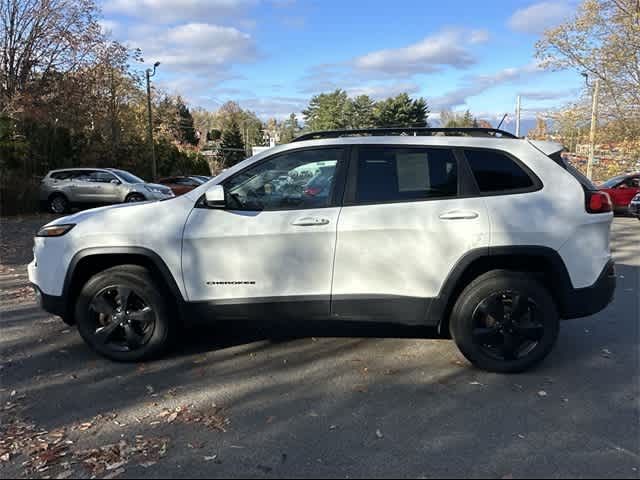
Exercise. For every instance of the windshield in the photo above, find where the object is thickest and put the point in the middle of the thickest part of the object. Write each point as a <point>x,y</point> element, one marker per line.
<point>612,182</point>
<point>128,177</point>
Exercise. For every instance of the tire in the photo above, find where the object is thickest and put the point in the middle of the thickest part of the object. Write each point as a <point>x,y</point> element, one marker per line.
<point>134,333</point>
<point>505,322</point>
<point>134,198</point>
<point>58,203</point>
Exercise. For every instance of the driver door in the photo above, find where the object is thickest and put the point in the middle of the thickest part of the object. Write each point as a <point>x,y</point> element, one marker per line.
<point>270,251</point>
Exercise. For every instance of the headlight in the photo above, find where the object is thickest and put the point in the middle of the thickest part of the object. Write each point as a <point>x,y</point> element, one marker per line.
<point>163,191</point>
<point>55,230</point>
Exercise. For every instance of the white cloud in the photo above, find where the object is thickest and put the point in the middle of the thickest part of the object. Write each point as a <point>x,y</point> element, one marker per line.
<point>274,107</point>
<point>160,11</point>
<point>446,48</point>
<point>383,91</point>
<point>196,47</point>
<point>549,94</point>
<point>536,18</point>
<point>479,84</point>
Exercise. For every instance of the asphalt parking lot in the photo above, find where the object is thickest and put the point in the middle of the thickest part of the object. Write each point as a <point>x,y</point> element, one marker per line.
<point>276,400</point>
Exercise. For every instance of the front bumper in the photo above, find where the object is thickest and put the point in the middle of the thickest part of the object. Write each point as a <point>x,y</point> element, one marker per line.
<point>583,302</point>
<point>157,195</point>
<point>51,303</point>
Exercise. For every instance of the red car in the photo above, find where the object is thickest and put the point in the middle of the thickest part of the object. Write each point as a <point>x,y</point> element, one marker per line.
<point>622,189</point>
<point>182,185</point>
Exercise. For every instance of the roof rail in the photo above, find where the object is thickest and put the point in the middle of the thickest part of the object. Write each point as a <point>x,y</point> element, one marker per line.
<point>408,131</point>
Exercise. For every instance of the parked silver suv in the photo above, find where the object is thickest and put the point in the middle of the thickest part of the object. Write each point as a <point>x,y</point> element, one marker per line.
<point>62,189</point>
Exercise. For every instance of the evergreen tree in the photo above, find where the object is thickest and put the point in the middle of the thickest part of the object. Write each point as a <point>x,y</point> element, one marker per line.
<point>186,129</point>
<point>402,111</point>
<point>328,111</point>
<point>361,112</point>
<point>289,129</point>
<point>232,145</point>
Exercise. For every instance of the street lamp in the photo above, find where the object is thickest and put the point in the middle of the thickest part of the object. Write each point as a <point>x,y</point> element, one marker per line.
<point>151,73</point>
<point>594,122</point>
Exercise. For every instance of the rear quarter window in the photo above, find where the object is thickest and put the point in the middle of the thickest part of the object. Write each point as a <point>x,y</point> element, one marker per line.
<point>496,172</point>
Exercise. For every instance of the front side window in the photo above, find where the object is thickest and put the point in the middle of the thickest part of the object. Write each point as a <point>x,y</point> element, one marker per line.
<point>296,180</point>
<point>396,174</point>
<point>496,172</point>
<point>101,177</point>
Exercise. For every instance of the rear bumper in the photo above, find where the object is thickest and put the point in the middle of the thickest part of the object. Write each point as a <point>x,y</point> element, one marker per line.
<point>583,302</point>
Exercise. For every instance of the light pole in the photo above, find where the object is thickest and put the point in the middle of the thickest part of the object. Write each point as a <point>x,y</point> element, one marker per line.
<point>151,73</point>
<point>594,123</point>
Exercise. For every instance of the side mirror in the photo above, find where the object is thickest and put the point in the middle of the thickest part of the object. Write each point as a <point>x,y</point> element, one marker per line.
<point>214,197</point>
<point>115,181</point>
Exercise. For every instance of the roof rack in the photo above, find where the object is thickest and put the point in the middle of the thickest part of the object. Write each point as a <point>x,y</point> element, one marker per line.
<point>408,131</point>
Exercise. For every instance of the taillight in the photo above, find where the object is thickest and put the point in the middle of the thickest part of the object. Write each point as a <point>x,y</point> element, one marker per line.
<point>599,202</point>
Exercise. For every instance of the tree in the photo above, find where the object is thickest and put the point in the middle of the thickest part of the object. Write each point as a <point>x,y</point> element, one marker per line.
<point>289,129</point>
<point>186,129</point>
<point>361,112</point>
<point>232,145</point>
<point>328,111</point>
<point>42,39</point>
<point>401,111</point>
<point>456,120</point>
<point>602,39</point>
<point>540,132</point>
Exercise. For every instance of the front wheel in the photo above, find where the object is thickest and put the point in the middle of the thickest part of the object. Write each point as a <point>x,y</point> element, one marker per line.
<point>135,197</point>
<point>58,204</point>
<point>122,314</point>
<point>505,322</point>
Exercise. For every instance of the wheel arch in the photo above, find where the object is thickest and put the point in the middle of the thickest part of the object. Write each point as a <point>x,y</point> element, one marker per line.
<point>543,262</point>
<point>90,261</point>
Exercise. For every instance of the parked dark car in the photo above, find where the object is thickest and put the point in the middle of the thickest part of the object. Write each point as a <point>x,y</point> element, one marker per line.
<point>182,185</point>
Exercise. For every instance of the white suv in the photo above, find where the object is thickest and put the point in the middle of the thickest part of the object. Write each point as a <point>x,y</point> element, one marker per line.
<point>490,238</point>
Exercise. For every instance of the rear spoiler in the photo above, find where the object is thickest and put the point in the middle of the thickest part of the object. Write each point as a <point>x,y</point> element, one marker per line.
<point>548,148</point>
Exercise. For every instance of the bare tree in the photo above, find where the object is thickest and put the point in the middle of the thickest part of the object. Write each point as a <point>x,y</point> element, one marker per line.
<point>40,39</point>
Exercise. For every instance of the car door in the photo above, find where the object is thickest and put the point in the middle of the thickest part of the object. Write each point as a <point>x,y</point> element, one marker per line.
<point>270,252</point>
<point>106,190</point>
<point>83,188</point>
<point>404,225</point>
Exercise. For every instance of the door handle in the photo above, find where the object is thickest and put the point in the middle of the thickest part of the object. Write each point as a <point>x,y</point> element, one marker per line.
<point>310,222</point>
<point>459,215</point>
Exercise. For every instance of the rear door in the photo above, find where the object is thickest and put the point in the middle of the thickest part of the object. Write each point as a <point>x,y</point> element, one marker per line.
<point>404,225</point>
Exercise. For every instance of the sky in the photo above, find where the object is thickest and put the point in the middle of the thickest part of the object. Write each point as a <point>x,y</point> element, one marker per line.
<point>272,55</point>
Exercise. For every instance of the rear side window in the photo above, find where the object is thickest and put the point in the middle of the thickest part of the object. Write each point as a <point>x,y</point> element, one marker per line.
<point>496,172</point>
<point>396,174</point>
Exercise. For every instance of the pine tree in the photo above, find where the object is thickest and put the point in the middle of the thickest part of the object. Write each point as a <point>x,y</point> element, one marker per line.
<point>232,145</point>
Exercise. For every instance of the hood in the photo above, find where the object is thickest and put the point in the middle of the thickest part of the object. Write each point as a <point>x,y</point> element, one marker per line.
<point>147,184</point>
<point>93,212</point>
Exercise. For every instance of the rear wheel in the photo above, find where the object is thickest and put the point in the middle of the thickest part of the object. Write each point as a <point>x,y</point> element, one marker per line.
<point>122,314</point>
<point>505,322</point>
<point>58,203</point>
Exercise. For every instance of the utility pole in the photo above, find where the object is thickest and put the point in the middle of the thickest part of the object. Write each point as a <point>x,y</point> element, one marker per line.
<point>154,169</point>
<point>518,117</point>
<point>594,124</point>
